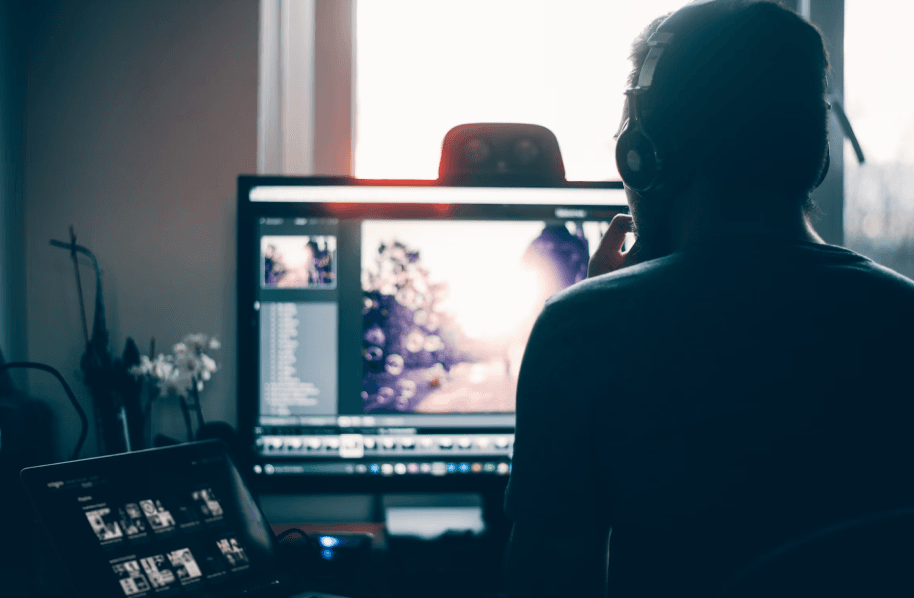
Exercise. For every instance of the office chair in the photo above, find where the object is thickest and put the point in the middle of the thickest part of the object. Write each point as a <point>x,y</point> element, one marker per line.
<point>871,556</point>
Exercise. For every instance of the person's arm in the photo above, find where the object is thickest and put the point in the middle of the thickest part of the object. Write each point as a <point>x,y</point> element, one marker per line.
<point>555,497</point>
<point>559,544</point>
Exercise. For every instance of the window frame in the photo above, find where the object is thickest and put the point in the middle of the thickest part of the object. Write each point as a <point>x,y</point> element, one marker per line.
<point>306,87</point>
<point>828,15</point>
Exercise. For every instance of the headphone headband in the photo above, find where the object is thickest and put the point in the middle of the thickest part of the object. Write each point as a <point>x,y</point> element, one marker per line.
<point>663,37</point>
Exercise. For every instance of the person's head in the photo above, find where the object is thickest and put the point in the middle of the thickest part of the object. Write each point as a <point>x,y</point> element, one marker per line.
<point>738,102</point>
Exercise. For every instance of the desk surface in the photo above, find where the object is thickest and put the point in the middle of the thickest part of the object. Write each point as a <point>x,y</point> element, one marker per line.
<point>459,566</point>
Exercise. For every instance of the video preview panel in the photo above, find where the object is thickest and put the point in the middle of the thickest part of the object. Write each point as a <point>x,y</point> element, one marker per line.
<point>448,307</point>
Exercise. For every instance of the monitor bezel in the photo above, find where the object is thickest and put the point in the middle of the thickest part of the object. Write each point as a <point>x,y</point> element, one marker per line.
<point>248,397</point>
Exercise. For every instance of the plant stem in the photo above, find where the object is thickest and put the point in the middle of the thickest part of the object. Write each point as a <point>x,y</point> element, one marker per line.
<point>79,286</point>
<point>197,408</point>
<point>147,416</point>
<point>187,424</point>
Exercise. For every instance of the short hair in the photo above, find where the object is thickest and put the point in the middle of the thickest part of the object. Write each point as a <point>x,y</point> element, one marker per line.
<point>741,91</point>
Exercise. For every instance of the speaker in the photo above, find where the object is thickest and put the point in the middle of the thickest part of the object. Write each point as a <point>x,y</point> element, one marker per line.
<point>501,153</point>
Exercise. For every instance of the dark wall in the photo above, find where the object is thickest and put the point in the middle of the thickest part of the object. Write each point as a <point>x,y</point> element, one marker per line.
<point>139,117</point>
<point>12,205</point>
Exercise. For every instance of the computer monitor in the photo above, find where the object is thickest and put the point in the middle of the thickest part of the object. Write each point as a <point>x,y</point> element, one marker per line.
<point>381,324</point>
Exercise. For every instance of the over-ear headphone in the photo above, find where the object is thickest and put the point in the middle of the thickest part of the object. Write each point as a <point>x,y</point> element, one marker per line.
<point>644,163</point>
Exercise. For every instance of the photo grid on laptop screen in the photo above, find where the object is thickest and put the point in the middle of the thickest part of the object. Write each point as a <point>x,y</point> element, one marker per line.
<point>138,525</point>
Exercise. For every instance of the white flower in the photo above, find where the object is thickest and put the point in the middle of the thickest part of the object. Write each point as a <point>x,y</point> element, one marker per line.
<point>209,364</point>
<point>143,368</point>
<point>196,342</point>
<point>162,368</point>
<point>184,370</point>
<point>188,362</point>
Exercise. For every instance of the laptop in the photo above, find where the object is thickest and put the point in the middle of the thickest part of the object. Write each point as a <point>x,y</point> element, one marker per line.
<point>172,521</point>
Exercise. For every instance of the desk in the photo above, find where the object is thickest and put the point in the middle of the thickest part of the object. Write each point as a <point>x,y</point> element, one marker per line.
<point>450,567</point>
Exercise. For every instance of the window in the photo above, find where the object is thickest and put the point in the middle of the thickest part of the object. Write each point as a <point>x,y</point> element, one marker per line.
<point>879,94</point>
<point>423,67</point>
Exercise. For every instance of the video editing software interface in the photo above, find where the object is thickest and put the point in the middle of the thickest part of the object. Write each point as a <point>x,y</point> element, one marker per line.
<point>391,320</point>
<point>157,529</point>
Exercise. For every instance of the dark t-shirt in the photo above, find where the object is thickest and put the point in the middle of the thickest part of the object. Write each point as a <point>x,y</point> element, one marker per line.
<point>714,403</point>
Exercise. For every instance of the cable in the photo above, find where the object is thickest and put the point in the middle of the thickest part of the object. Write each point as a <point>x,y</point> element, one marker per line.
<point>292,530</point>
<point>70,395</point>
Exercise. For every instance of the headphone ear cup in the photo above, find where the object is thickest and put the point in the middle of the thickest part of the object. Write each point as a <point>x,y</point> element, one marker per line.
<point>637,159</point>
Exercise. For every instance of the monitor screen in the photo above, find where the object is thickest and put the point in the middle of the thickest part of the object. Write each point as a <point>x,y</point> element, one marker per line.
<point>382,323</point>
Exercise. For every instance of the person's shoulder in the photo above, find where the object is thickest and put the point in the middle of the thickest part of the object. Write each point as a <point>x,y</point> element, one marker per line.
<point>879,278</point>
<point>891,277</point>
<point>632,282</point>
<point>587,305</point>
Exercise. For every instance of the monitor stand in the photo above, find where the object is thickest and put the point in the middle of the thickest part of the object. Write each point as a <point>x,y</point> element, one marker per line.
<point>446,544</point>
<point>431,516</point>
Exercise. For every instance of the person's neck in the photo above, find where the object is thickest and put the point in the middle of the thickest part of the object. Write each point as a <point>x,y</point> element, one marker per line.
<point>699,218</point>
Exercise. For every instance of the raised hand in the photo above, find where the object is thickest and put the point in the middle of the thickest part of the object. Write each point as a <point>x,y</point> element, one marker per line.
<point>609,256</point>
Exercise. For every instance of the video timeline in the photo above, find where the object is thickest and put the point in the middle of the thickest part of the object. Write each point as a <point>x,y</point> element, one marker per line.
<point>399,468</point>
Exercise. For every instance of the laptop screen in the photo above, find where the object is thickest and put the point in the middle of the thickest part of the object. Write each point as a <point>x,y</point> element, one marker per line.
<point>162,522</point>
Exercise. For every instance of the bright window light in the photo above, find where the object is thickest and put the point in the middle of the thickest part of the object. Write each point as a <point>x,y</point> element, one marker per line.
<point>879,93</point>
<point>879,97</point>
<point>423,67</point>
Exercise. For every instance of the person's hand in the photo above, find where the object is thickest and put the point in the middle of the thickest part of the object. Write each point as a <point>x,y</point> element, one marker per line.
<point>609,256</point>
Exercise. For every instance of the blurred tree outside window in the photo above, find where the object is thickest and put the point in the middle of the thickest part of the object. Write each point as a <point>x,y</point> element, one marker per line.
<point>879,98</point>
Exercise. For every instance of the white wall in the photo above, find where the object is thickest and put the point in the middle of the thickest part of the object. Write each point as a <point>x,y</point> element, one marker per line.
<point>139,117</point>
